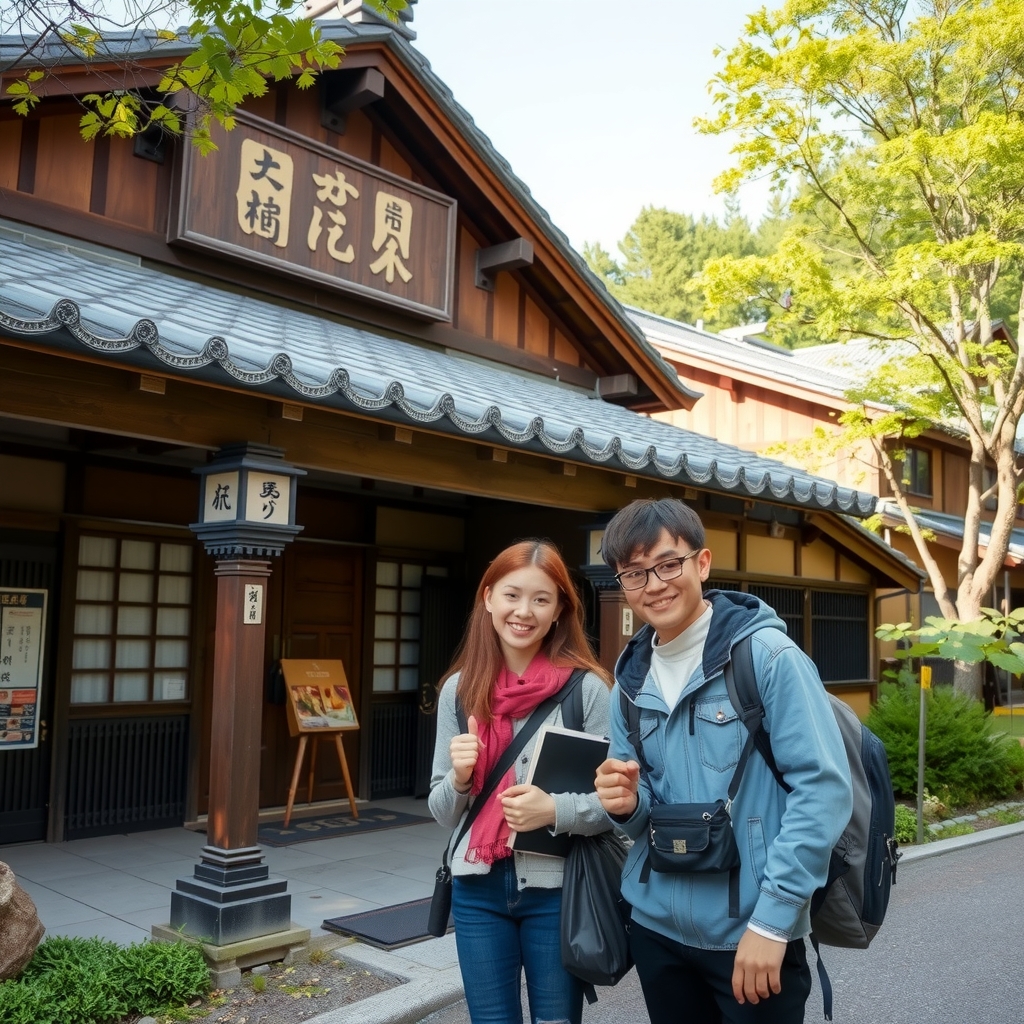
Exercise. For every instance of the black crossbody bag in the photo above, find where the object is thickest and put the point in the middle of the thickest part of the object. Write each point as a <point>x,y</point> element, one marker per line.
<point>441,901</point>
<point>696,838</point>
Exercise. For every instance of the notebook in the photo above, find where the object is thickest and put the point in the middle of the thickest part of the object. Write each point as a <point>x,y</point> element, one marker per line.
<point>564,761</point>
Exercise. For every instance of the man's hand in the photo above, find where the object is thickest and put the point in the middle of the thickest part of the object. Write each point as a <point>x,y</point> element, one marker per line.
<point>527,807</point>
<point>756,973</point>
<point>464,751</point>
<point>616,784</point>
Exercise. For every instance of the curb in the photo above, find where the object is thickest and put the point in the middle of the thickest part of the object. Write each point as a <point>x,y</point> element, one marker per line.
<point>432,981</point>
<point>940,846</point>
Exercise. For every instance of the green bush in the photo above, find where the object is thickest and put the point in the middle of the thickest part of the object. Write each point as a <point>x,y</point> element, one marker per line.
<point>963,752</point>
<point>93,981</point>
<point>906,825</point>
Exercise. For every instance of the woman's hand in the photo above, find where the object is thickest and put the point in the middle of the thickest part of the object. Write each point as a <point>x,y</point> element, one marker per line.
<point>464,751</point>
<point>527,808</point>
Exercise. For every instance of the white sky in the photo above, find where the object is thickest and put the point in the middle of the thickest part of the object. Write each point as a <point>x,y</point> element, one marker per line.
<point>592,101</point>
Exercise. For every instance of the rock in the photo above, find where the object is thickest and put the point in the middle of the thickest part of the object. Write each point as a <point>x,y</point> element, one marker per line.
<point>20,927</point>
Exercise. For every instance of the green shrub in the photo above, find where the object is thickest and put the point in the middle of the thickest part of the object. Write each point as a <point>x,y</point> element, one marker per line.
<point>906,825</point>
<point>92,981</point>
<point>964,755</point>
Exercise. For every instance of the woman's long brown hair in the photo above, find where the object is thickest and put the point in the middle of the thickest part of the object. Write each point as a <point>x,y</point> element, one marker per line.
<point>479,658</point>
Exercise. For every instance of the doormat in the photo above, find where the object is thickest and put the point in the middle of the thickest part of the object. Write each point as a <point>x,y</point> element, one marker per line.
<point>370,819</point>
<point>388,927</point>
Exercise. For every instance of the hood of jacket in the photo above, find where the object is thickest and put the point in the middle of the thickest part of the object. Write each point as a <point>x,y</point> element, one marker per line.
<point>735,616</point>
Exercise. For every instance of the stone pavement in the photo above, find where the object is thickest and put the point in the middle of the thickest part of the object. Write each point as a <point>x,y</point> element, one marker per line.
<point>118,886</point>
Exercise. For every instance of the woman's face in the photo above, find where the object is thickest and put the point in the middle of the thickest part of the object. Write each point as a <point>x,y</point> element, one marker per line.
<point>523,605</point>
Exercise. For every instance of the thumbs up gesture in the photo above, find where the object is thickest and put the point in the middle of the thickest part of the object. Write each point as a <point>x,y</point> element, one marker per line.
<point>464,750</point>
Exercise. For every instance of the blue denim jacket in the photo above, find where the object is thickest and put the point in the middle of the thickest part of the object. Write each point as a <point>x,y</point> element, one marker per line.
<point>784,840</point>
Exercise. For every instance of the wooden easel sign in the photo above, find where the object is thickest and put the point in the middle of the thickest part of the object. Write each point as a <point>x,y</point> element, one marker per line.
<point>319,703</point>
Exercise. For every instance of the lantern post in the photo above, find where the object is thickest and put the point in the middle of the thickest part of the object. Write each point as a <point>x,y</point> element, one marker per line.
<point>246,516</point>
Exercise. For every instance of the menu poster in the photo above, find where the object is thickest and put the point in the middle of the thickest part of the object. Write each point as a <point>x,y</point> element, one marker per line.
<point>319,699</point>
<point>22,622</point>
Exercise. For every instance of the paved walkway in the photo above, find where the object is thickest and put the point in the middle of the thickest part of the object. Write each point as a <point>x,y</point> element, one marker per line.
<point>118,886</point>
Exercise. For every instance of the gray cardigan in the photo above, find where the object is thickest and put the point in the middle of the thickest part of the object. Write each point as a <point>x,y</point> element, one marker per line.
<point>578,813</point>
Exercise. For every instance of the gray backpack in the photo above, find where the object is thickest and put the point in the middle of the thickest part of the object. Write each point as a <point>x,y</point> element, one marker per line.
<point>849,908</point>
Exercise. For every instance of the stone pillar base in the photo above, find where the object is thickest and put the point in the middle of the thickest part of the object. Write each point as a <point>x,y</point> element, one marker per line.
<point>227,962</point>
<point>230,898</point>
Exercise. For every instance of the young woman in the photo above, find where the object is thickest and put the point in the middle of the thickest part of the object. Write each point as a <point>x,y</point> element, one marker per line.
<point>524,639</point>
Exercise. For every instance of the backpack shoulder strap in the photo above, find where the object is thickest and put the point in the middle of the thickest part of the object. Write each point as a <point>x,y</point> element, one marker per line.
<point>741,682</point>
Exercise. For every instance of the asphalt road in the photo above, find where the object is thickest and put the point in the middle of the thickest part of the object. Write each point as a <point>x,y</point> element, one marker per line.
<point>951,951</point>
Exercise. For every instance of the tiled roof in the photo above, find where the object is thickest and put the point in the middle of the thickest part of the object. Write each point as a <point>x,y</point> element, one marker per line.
<point>141,44</point>
<point>951,526</point>
<point>743,353</point>
<point>69,295</point>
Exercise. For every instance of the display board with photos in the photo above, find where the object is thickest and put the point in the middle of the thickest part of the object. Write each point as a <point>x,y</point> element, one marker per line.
<point>319,698</point>
<point>22,625</point>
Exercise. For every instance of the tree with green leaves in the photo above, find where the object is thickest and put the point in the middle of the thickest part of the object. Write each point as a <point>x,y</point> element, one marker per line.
<point>662,253</point>
<point>235,48</point>
<point>898,126</point>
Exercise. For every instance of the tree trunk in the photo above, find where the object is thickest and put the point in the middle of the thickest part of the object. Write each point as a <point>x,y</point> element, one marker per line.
<point>967,678</point>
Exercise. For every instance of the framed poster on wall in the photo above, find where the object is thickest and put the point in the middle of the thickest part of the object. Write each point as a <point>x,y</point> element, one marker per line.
<point>22,624</point>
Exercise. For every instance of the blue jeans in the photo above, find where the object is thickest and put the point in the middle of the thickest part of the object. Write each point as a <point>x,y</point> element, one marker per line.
<point>501,930</point>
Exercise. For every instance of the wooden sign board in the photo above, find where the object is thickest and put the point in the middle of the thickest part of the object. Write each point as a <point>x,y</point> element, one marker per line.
<point>271,197</point>
<point>319,699</point>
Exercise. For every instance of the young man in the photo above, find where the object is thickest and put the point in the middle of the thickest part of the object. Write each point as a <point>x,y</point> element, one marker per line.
<point>696,962</point>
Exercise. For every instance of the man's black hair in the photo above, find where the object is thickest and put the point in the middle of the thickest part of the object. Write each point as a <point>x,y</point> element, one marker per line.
<point>638,526</point>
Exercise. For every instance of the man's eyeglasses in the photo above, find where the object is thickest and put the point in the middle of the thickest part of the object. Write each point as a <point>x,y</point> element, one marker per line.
<point>636,579</point>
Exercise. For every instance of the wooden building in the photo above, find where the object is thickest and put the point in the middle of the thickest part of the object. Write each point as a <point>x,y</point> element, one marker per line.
<point>757,395</point>
<point>357,279</point>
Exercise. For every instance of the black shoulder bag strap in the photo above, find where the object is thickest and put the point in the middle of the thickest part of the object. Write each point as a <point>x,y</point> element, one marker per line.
<point>631,715</point>
<point>512,751</point>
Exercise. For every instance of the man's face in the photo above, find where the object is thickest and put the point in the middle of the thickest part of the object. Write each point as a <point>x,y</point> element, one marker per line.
<point>670,606</point>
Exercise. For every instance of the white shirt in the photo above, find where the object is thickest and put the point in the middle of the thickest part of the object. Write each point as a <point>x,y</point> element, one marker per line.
<point>673,663</point>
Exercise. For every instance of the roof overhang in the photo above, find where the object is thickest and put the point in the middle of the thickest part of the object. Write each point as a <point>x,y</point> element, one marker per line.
<point>870,548</point>
<point>89,302</point>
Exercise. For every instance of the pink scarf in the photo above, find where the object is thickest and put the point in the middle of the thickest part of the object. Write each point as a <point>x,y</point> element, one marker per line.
<point>514,697</point>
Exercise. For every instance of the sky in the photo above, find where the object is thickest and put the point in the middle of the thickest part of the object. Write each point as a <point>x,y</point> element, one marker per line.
<point>592,101</point>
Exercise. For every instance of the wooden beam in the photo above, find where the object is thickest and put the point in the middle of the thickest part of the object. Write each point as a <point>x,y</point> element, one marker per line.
<point>393,432</point>
<point>94,396</point>
<point>151,384</point>
<point>492,454</point>
<point>290,411</point>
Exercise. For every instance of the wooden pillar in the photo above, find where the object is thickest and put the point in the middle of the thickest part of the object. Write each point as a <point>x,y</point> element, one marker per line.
<point>237,704</point>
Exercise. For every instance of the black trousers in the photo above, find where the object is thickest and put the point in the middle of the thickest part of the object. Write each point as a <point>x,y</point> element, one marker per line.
<point>686,985</point>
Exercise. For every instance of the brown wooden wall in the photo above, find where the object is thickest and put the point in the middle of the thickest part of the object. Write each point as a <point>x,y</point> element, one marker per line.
<point>755,418</point>
<point>46,157</point>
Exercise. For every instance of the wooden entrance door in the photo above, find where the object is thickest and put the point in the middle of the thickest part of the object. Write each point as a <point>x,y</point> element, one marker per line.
<point>321,617</point>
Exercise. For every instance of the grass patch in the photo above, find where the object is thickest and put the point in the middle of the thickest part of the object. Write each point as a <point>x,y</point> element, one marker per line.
<point>1007,817</point>
<point>958,828</point>
<point>1009,725</point>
